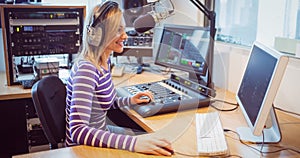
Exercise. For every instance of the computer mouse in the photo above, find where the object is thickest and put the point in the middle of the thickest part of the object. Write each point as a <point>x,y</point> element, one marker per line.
<point>132,33</point>
<point>169,150</point>
<point>139,70</point>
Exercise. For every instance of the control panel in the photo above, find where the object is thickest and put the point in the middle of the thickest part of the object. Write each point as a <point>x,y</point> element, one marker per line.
<point>139,39</point>
<point>39,31</point>
<point>44,32</point>
<point>196,87</point>
<point>138,44</point>
<point>170,95</point>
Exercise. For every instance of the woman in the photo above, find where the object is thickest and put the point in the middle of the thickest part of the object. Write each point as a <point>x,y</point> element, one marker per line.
<point>90,91</point>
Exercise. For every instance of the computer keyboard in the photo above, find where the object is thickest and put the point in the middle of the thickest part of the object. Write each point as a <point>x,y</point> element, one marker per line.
<point>210,135</point>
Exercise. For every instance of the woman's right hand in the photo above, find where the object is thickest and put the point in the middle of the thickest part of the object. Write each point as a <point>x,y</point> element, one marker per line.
<point>152,144</point>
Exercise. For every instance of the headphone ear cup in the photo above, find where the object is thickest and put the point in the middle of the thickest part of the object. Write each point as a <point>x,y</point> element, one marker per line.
<point>94,36</point>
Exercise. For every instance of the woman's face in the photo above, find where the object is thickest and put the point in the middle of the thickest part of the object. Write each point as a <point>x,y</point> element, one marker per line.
<point>117,44</point>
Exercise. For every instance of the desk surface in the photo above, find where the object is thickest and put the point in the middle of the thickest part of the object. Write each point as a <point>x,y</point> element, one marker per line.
<point>18,92</point>
<point>12,92</point>
<point>179,128</point>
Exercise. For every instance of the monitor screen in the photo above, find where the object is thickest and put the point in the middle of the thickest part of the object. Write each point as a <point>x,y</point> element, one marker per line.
<point>256,81</point>
<point>184,48</point>
<point>259,85</point>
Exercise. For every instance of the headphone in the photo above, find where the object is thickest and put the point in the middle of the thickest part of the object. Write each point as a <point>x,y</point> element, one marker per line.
<point>95,32</point>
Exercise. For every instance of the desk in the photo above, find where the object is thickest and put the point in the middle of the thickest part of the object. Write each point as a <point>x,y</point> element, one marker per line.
<point>180,129</point>
<point>15,108</point>
<point>12,92</point>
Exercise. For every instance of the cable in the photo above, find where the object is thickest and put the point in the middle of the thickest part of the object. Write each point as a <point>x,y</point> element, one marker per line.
<point>172,5</point>
<point>260,151</point>
<point>225,110</point>
<point>262,144</point>
<point>287,111</point>
<point>277,146</point>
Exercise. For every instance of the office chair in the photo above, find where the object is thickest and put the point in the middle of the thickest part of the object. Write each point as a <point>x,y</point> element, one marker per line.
<point>49,98</point>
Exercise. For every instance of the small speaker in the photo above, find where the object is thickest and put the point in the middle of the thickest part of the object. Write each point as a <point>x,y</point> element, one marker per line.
<point>133,9</point>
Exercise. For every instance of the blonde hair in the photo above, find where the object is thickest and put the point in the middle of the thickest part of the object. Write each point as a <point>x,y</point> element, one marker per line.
<point>109,22</point>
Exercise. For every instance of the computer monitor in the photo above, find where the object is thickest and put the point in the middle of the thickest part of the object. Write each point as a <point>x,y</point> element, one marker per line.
<point>258,88</point>
<point>185,48</point>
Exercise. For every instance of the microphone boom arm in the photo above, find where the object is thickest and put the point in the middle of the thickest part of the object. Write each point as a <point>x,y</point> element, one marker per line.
<point>211,15</point>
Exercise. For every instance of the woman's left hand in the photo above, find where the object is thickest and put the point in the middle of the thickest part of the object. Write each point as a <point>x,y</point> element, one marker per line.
<point>142,97</point>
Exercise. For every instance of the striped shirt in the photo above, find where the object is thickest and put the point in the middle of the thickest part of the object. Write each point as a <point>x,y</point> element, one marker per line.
<point>89,95</point>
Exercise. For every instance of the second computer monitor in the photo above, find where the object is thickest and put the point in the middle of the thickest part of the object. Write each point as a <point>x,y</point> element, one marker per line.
<point>184,48</point>
<point>257,91</point>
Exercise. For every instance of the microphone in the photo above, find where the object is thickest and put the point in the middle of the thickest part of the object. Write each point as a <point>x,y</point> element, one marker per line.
<point>148,21</point>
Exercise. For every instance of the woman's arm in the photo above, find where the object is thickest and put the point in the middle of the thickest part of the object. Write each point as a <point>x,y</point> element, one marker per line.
<point>84,83</point>
<point>136,99</point>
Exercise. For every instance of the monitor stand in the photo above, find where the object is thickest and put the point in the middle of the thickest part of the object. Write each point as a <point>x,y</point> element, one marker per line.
<point>197,78</point>
<point>271,134</point>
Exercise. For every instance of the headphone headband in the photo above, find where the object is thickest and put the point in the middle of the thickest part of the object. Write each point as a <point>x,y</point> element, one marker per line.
<point>95,34</point>
<point>104,9</point>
